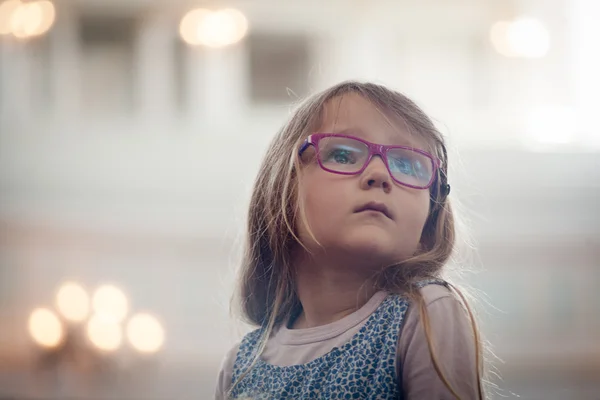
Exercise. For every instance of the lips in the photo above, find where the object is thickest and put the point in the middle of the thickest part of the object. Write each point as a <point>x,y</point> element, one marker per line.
<point>375,206</point>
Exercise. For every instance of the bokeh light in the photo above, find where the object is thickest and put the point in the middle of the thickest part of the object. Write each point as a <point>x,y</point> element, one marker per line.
<point>73,302</point>
<point>48,13</point>
<point>145,333</point>
<point>110,303</point>
<point>45,328</point>
<point>7,10</point>
<point>188,28</point>
<point>522,37</point>
<point>26,19</point>
<point>213,28</point>
<point>499,39</point>
<point>105,334</point>
<point>528,38</point>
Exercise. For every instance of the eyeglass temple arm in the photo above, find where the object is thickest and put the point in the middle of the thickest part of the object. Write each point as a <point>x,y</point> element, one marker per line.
<point>445,186</point>
<point>304,146</point>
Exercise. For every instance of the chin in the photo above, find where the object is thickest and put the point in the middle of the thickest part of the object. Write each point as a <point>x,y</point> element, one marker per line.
<point>373,245</point>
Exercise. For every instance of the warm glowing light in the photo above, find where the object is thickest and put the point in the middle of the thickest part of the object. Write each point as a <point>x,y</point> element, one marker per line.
<point>7,10</point>
<point>145,333</point>
<point>498,37</point>
<point>528,38</point>
<point>523,37</point>
<point>45,328</point>
<point>105,334</point>
<point>110,303</point>
<point>48,13</point>
<point>26,19</point>
<point>188,28</point>
<point>213,28</point>
<point>73,302</point>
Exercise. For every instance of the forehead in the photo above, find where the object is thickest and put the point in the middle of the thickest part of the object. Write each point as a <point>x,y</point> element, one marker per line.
<point>353,114</point>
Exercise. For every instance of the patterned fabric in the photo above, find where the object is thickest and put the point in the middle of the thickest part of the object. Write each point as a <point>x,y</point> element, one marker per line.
<point>363,368</point>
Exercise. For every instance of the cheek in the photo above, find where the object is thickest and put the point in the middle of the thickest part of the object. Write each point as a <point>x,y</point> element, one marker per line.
<point>413,213</point>
<point>322,204</point>
<point>419,212</point>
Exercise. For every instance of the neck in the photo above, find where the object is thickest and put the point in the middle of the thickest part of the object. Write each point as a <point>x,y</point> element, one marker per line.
<point>329,292</point>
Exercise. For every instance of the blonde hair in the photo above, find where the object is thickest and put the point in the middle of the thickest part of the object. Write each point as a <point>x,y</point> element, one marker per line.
<point>266,288</point>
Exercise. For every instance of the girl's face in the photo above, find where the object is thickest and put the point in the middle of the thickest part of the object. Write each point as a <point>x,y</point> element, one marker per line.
<point>332,201</point>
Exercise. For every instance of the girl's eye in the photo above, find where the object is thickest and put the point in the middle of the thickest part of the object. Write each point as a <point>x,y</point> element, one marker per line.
<point>341,156</point>
<point>407,167</point>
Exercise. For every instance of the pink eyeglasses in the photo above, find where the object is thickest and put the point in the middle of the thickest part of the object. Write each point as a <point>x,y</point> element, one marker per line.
<point>349,155</point>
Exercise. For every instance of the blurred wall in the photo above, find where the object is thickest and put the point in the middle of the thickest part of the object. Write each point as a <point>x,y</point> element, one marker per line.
<point>127,157</point>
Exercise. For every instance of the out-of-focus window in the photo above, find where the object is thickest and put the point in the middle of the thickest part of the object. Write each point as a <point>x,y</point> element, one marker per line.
<point>107,63</point>
<point>279,67</point>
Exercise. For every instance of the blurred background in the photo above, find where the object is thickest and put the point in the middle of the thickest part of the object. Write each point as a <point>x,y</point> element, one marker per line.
<point>131,132</point>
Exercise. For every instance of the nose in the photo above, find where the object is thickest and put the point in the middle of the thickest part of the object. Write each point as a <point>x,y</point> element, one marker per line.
<point>376,175</point>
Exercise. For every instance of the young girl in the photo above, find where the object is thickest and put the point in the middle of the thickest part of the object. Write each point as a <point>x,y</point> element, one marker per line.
<point>349,230</point>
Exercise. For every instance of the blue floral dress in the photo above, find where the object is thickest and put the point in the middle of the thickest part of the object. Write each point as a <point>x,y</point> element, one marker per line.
<point>363,368</point>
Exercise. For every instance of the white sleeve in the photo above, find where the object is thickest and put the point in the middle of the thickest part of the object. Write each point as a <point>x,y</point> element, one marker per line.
<point>225,374</point>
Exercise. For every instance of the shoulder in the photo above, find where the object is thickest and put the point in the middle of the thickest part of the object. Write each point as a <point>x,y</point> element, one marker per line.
<point>224,378</point>
<point>451,335</point>
<point>240,349</point>
<point>443,310</point>
<point>435,293</point>
<point>435,297</point>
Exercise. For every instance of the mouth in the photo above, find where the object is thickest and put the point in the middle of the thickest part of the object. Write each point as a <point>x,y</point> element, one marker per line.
<point>375,206</point>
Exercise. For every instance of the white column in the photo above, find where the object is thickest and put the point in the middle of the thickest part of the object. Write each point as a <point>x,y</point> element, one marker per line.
<point>194,100</point>
<point>546,79</point>
<point>584,41</point>
<point>217,85</point>
<point>356,52</point>
<point>364,45</point>
<point>224,80</point>
<point>324,71</point>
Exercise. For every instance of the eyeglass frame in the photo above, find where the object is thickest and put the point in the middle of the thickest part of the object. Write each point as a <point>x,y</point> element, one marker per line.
<point>375,150</point>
